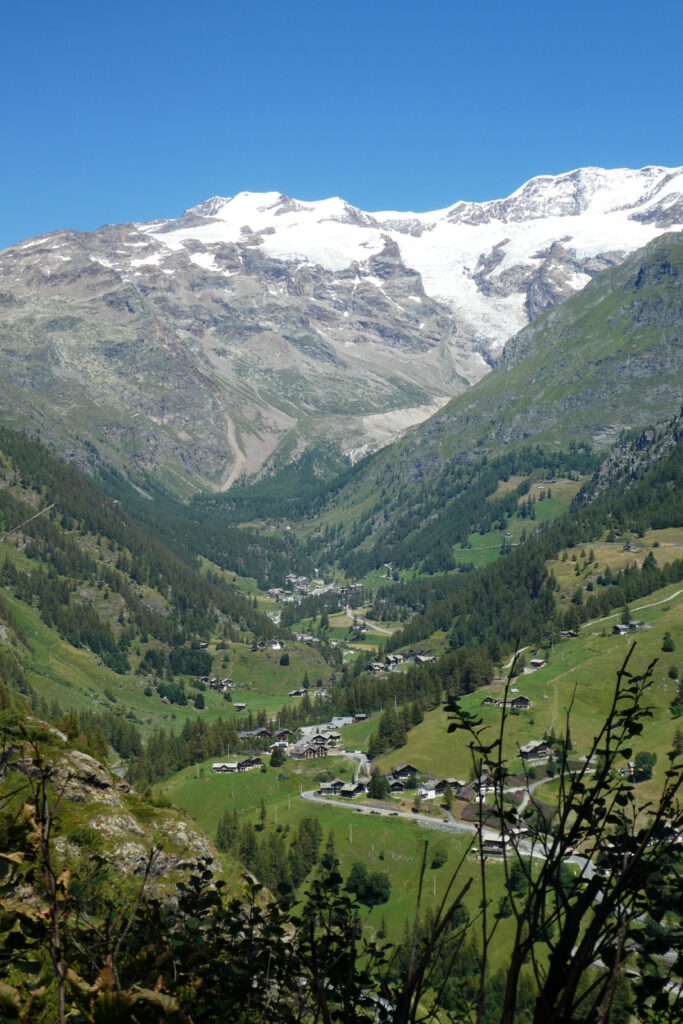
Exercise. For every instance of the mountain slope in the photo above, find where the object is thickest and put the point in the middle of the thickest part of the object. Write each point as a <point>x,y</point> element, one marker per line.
<point>213,346</point>
<point>607,360</point>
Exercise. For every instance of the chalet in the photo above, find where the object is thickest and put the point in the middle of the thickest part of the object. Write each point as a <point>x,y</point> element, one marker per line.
<point>226,684</point>
<point>428,789</point>
<point>396,785</point>
<point>492,702</point>
<point>424,659</point>
<point>319,740</point>
<point>281,734</point>
<point>375,667</point>
<point>621,629</point>
<point>307,751</point>
<point>278,745</point>
<point>568,634</point>
<point>239,706</point>
<point>636,626</point>
<point>296,693</point>
<point>333,738</point>
<point>482,787</point>
<point>248,764</point>
<point>220,767</point>
<point>494,845</point>
<point>203,645</point>
<point>536,663</point>
<point>535,749</point>
<point>394,659</point>
<point>331,788</point>
<point>277,645</point>
<point>520,703</point>
<point>351,789</point>
<point>403,771</point>
<point>453,784</point>
<point>341,720</point>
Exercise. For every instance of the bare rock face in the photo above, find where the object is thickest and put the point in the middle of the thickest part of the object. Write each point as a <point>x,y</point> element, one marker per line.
<point>205,348</point>
<point>105,811</point>
<point>82,779</point>
<point>113,826</point>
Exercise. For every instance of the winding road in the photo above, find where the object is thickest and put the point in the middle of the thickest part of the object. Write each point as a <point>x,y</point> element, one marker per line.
<point>523,847</point>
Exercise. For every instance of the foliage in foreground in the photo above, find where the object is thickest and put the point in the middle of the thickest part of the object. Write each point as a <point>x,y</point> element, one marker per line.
<point>82,950</point>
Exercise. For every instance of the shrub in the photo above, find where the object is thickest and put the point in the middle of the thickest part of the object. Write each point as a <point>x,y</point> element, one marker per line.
<point>371,887</point>
<point>439,857</point>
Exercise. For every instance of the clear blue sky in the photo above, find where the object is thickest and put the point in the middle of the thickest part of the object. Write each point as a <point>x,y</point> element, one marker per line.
<point>113,110</point>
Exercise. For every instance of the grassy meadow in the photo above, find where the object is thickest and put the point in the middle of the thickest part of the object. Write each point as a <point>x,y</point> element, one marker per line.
<point>392,845</point>
<point>582,669</point>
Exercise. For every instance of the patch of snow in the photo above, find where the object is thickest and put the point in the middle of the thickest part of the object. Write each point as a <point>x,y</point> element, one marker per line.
<point>148,261</point>
<point>578,281</point>
<point>104,263</point>
<point>205,260</point>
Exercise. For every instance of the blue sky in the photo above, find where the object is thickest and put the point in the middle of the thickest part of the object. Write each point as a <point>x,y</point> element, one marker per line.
<point>114,111</point>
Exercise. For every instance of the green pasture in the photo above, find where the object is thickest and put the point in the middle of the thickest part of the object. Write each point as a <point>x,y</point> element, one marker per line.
<point>392,845</point>
<point>582,670</point>
<point>485,547</point>
<point>77,680</point>
<point>577,569</point>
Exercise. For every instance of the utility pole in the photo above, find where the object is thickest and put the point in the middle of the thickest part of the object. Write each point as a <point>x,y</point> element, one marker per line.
<point>351,833</point>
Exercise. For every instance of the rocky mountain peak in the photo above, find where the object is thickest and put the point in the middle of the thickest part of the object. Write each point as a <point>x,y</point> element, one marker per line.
<point>214,344</point>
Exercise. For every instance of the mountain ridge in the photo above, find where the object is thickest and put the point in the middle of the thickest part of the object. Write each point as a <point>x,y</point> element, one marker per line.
<point>220,345</point>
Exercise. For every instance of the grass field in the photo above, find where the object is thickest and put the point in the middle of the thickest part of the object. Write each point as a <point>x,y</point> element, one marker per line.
<point>77,680</point>
<point>485,547</point>
<point>584,669</point>
<point>595,558</point>
<point>384,844</point>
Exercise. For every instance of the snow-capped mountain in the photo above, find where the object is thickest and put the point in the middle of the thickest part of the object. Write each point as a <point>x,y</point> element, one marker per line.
<point>210,346</point>
<point>496,264</point>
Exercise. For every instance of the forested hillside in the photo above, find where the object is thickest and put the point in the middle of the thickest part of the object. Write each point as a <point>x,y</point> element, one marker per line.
<point>513,599</point>
<point>98,578</point>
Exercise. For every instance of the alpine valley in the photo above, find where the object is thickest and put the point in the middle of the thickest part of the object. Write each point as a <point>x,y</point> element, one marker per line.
<point>341,610</point>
